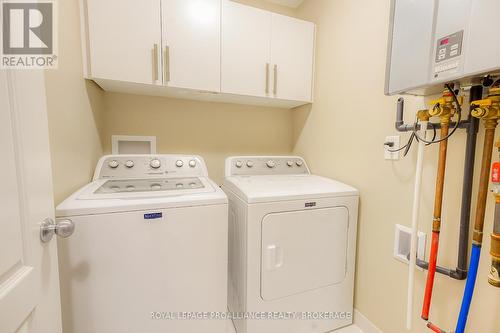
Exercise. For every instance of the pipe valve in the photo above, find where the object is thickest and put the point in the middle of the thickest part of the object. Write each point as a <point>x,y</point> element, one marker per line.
<point>444,107</point>
<point>423,115</point>
<point>488,108</point>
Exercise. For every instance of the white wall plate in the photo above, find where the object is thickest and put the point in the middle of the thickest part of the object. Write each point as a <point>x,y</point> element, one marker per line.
<point>130,144</point>
<point>402,242</point>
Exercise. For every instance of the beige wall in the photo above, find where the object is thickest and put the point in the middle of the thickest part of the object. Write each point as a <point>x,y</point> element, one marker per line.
<point>341,136</point>
<point>82,117</point>
<point>212,130</point>
<point>74,107</point>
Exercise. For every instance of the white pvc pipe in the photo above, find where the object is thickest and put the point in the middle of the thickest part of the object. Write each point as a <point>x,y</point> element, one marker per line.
<point>414,224</point>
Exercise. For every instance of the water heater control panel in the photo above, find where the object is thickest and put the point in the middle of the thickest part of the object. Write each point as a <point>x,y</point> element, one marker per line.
<point>448,60</point>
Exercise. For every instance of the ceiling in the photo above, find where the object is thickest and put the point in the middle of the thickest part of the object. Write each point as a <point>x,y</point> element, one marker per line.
<point>288,3</point>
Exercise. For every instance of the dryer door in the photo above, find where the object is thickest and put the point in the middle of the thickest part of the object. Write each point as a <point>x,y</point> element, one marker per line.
<point>303,251</point>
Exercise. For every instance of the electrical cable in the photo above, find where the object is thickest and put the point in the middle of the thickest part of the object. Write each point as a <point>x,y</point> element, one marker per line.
<point>407,146</point>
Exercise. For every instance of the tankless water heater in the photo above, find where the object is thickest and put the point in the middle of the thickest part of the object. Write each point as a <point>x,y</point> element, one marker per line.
<point>436,41</point>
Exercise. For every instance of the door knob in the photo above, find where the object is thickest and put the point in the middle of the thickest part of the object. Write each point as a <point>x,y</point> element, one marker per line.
<point>62,228</point>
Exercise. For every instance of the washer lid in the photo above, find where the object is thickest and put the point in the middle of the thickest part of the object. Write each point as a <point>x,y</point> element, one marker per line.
<point>121,195</point>
<point>255,189</point>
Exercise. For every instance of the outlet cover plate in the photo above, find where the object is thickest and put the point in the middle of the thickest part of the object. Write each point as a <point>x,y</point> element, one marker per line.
<point>388,155</point>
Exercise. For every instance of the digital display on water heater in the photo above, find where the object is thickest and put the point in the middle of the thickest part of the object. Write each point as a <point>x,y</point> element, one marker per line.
<point>445,41</point>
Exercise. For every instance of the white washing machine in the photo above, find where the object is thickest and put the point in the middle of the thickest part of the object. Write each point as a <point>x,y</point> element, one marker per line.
<point>292,241</point>
<point>149,251</point>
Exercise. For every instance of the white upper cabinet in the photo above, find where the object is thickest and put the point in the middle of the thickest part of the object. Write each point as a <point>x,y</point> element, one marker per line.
<point>246,50</point>
<point>125,40</point>
<point>292,57</point>
<point>266,54</point>
<point>214,50</point>
<point>191,44</point>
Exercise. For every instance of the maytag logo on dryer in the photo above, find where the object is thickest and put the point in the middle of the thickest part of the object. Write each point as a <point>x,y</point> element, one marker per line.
<point>310,204</point>
<point>153,216</point>
<point>29,34</point>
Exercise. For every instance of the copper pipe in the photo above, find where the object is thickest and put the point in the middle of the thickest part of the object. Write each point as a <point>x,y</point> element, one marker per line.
<point>438,201</point>
<point>489,137</point>
<point>436,223</point>
<point>434,328</point>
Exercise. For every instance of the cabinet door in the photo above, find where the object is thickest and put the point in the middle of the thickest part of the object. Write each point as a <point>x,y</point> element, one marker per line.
<point>246,35</point>
<point>125,40</point>
<point>191,44</point>
<point>292,58</point>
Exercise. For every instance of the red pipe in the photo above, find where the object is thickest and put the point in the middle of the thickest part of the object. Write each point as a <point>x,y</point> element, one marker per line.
<point>436,222</point>
<point>435,328</point>
<point>430,275</point>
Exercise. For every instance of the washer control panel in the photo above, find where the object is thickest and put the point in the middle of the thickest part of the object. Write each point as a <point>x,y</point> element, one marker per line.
<point>265,165</point>
<point>145,166</point>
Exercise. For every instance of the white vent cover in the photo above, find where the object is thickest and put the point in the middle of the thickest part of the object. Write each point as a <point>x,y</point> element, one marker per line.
<point>287,3</point>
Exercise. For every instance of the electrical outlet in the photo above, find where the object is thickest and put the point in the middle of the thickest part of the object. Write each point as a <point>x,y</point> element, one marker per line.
<point>388,154</point>
<point>402,243</point>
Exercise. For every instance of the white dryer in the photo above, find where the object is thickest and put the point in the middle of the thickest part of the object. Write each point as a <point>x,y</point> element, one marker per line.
<point>149,251</point>
<point>292,241</point>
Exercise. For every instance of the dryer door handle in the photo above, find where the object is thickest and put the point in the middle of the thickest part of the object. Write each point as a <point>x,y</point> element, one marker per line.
<point>274,257</point>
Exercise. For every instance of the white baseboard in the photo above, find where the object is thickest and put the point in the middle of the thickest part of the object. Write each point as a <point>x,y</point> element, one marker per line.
<point>364,323</point>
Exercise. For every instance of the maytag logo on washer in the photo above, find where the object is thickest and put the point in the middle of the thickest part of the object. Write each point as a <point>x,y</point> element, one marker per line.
<point>153,216</point>
<point>29,34</point>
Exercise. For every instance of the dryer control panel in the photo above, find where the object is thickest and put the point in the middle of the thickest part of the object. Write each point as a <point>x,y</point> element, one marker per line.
<point>265,165</point>
<point>150,166</point>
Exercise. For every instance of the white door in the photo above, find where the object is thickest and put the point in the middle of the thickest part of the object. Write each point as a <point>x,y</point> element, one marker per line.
<point>303,251</point>
<point>29,280</point>
<point>191,44</point>
<point>292,58</point>
<point>125,40</point>
<point>246,37</point>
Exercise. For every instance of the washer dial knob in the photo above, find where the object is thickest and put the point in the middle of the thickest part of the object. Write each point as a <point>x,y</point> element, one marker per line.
<point>179,163</point>
<point>129,164</point>
<point>239,164</point>
<point>271,164</point>
<point>192,163</point>
<point>289,163</point>
<point>155,164</point>
<point>250,164</point>
<point>299,163</point>
<point>113,164</point>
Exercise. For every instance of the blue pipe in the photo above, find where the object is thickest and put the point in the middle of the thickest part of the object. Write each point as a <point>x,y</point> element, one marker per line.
<point>469,288</point>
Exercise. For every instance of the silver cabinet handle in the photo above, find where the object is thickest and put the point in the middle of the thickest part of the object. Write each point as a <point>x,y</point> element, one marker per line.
<point>166,64</point>
<point>155,62</point>
<point>267,78</point>
<point>275,79</point>
<point>63,228</point>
